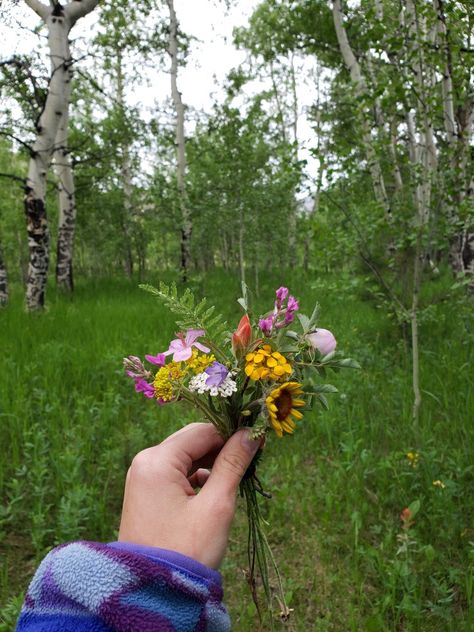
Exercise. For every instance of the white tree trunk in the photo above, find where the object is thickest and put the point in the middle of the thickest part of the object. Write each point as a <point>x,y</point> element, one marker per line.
<point>186,223</point>
<point>67,203</point>
<point>59,20</point>
<point>361,90</point>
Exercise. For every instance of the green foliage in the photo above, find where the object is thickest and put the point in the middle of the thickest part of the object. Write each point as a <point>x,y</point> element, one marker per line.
<point>193,315</point>
<point>73,422</point>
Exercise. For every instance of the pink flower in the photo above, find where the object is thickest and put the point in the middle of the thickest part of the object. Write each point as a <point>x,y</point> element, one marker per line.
<point>143,387</point>
<point>266,325</point>
<point>322,340</point>
<point>158,359</point>
<point>181,347</point>
<point>281,294</point>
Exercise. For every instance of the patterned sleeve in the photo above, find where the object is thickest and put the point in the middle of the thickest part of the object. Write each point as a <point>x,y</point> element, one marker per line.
<point>92,587</point>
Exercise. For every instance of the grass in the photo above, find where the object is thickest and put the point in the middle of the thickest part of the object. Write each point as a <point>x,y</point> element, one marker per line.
<point>71,423</point>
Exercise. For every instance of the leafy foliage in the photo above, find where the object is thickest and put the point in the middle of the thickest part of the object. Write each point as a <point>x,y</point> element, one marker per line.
<point>193,315</point>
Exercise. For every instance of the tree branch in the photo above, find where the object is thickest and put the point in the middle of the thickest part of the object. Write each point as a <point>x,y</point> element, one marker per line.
<point>79,8</point>
<point>39,8</point>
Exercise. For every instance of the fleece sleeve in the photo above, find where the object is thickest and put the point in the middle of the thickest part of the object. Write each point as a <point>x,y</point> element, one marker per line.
<point>118,587</point>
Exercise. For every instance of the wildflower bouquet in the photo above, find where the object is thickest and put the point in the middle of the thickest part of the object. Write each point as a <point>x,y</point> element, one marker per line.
<point>262,376</point>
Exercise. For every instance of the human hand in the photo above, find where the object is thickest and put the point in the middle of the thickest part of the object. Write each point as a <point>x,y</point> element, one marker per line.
<point>161,507</point>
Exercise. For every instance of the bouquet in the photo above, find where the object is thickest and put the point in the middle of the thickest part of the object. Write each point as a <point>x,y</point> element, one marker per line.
<point>264,376</point>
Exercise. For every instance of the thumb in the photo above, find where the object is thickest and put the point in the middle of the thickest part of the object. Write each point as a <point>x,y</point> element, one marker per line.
<point>232,463</point>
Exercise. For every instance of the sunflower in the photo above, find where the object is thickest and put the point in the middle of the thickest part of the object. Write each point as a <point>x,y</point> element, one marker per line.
<point>265,363</point>
<point>281,406</point>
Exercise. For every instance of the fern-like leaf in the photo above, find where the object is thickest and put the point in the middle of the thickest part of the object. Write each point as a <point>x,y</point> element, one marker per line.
<point>192,316</point>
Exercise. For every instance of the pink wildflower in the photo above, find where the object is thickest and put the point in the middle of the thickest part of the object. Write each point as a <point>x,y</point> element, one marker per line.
<point>158,359</point>
<point>322,340</point>
<point>143,387</point>
<point>181,347</point>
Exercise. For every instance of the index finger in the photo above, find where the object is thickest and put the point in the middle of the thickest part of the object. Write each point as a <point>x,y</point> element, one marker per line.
<point>194,446</point>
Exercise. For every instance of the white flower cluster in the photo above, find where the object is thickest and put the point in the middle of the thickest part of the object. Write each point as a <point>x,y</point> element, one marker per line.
<point>198,384</point>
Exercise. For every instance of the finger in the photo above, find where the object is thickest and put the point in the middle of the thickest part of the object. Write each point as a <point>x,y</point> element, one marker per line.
<point>199,478</point>
<point>231,465</point>
<point>197,443</point>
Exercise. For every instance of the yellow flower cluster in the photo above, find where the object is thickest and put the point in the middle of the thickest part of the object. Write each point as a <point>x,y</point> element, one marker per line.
<point>281,406</point>
<point>264,363</point>
<point>439,484</point>
<point>164,379</point>
<point>413,458</point>
<point>199,361</point>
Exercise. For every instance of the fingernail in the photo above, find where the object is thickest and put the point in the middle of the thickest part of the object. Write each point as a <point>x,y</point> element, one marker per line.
<point>252,445</point>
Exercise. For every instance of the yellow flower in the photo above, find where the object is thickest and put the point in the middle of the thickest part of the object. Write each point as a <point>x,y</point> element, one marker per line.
<point>413,458</point>
<point>265,363</point>
<point>164,378</point>
<point>439,484</point>
<point>200,361</point>
<point>281,406</point>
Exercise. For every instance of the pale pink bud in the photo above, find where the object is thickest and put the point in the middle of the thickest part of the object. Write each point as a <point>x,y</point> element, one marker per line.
<point>322,340</point>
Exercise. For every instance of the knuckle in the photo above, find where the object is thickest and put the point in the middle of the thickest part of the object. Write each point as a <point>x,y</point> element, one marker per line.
<point>142,466</point>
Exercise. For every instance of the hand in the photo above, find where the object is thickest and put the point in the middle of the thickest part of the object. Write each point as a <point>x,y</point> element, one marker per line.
<point>161,506</point>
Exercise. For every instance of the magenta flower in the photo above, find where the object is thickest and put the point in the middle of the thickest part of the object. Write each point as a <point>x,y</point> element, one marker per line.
<point>181,347</point>
<point>266,325</point>
<point>143,387</point>
<point>281,294</point>
<point>322,340</point>
<point>158,359</point>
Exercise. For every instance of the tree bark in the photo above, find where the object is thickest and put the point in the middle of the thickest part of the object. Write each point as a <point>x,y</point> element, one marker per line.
<point>186,223</point>
<point>67,205</point>
<point>361,90</point>
<point>3,282</point>
<point>59,20</point>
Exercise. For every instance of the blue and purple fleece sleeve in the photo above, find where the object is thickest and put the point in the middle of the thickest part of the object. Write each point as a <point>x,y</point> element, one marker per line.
<point>92,587</point>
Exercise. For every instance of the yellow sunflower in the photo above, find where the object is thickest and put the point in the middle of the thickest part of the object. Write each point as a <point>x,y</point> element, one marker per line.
<point>282,404</point>
<point>265,363</point>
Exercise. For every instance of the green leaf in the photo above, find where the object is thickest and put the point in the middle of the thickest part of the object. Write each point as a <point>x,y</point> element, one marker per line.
<point>414,507</point>
<point>323,388</point>
<point>305,322</point>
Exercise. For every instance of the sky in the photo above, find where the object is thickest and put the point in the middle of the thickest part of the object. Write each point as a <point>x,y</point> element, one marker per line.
<point>212,56</point>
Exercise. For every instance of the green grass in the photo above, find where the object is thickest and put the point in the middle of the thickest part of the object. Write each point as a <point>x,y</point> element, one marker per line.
<point>70,424</point>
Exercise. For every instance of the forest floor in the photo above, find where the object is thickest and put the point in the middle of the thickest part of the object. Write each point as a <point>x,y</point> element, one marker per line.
<point>71,423</point>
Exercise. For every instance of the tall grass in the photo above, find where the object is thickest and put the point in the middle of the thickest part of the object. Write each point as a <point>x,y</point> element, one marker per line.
<point>70,423</point>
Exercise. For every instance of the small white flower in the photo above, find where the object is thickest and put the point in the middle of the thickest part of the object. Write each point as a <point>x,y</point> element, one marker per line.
<point>198,384</point>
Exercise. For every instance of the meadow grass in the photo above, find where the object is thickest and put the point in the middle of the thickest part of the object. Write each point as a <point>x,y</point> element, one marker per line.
<point>70,424</point>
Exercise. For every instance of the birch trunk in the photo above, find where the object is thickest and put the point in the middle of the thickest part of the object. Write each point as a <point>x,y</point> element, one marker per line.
<point>67,204</point>
<point>361,90</point>
<point>186,223</point>
<point>3,282</point>
<point>59,20</point>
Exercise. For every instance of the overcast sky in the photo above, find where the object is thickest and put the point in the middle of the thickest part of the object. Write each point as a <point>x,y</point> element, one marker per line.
<point>212,56</point>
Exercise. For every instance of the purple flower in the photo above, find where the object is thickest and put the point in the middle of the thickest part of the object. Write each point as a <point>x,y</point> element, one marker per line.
<point>181,347</point>
<point>281,294</point>
<point>143,387</point>
<point>322,340</point>
<point>158,359</point>
<point>266,325</point>
<point>217,373</point>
